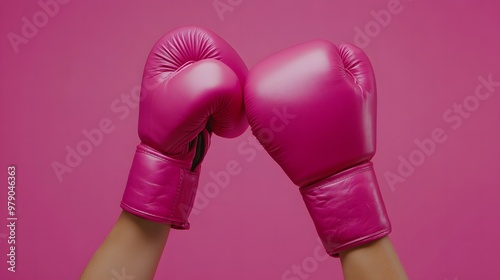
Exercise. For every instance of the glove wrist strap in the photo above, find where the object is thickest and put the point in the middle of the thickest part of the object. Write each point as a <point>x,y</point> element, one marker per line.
<point>159,188</point>
<point>347,209</point>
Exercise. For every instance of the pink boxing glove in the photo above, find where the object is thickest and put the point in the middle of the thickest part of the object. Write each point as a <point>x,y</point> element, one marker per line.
<point>328,95</point>
<point>192,86</point>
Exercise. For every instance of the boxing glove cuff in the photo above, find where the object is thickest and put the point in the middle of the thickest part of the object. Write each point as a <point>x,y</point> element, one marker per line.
<point>347,209</point>
<point>160,188</point>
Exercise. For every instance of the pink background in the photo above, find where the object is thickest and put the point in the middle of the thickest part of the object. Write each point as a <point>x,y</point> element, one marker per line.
<point>427,58</point>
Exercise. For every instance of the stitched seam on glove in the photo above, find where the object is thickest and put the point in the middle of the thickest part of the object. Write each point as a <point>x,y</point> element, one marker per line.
<point>355,242</point>
<point>161,157</point>
<point>174,204</point>
<point>342,177</point>
<point>164,219</point>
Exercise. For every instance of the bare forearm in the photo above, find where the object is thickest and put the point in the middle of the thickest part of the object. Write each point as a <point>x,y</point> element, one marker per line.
<point>373,261</point>
<point>133,248</point>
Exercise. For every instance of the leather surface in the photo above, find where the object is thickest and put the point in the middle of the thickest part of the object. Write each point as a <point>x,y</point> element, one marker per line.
<point>192,86</point>
<point>347,208</point>
<point>331,93</point>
